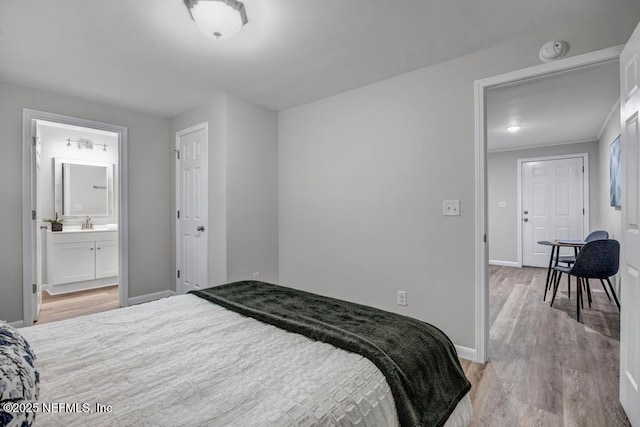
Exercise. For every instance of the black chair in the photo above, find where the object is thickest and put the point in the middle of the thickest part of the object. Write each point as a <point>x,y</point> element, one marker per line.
<point>598,259</point>
<point>570,259</point>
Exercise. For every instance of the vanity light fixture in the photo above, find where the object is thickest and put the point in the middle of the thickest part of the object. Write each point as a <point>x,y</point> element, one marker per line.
<point>85,143</point>
<point>513,129</point>
<point>221,19</point>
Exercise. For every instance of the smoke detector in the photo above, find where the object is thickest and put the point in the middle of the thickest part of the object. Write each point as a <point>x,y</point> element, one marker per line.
<point>553,50</point>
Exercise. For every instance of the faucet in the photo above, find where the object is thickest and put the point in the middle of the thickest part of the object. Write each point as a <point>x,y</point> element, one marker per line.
<point>87,223</point>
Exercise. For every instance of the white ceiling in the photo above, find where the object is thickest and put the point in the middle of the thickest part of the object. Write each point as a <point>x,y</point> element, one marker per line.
<point>148,55</point>
<point>565,107</point>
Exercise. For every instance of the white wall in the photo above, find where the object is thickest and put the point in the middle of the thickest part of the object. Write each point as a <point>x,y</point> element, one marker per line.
<point>502,185</point>
<point>54,145</point>
<point>362,176</point>
<point>243,215</point>
<point>149,216</point>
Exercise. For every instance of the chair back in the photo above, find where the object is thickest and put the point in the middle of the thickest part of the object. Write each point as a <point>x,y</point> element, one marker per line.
<point>597,235</point>
<point>598,259</point>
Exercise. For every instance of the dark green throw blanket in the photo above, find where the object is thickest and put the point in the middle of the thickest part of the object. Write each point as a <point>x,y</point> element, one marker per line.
<point>417,359</point>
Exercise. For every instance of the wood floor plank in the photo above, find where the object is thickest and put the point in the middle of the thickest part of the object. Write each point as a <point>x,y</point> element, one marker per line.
<point>504,325</point>
<point>545,368</point>
<point>67,306</point>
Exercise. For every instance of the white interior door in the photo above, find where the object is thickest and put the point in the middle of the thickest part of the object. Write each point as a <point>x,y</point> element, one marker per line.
<point>552,205</point>
<point>630,258</point>
<point>36,205</point>
<point>191,205</point>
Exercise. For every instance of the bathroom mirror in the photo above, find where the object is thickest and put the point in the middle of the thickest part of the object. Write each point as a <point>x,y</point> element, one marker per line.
<point>83,188</point>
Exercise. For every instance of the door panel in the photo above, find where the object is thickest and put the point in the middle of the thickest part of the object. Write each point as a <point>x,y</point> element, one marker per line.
<point>553,197</point>
<point>74,262</point>
<point>630,254</point>
<point>192,200</point>
<point>107,254</point>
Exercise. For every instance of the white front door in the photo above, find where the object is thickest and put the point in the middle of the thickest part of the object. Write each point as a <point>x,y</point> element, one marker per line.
<point>191,205</point>
<point>552,205</point>
<point>630,258</point>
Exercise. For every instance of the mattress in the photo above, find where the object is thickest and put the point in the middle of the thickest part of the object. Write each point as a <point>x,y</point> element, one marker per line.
<point>185,361</point>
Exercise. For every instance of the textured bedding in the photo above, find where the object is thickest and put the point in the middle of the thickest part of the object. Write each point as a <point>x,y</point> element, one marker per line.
<point>418,360</point>
<point>185,361</point>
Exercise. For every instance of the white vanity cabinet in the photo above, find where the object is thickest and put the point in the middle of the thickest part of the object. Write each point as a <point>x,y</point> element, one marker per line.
<point>80,260</point>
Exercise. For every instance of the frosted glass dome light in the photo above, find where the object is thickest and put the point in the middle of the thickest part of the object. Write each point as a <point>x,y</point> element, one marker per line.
<point>221,19</point>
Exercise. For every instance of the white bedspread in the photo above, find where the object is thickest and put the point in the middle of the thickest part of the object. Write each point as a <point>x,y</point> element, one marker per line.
<point>185,361</point>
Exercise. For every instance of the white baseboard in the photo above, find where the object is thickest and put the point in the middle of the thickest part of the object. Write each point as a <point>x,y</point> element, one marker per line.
<point>17,324</point>
<point>466,352</point>
<point>505,263</point>
<point>150,297</point>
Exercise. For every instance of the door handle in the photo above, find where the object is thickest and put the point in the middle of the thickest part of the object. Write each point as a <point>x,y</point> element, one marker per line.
<point>44,227</point>
<point>526,220</point>
<point>200,228</point>
<point>526,212</point>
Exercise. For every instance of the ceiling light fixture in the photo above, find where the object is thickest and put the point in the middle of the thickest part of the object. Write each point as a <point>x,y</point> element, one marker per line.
<point>221,19</point>
<point>514,128</point>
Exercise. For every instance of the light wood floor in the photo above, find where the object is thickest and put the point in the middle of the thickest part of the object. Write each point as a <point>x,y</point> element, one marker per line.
<point>76,304</point>
<point>545,368</point>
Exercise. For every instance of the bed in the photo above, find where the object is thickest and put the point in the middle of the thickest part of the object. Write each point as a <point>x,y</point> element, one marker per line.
<point>189,360</point>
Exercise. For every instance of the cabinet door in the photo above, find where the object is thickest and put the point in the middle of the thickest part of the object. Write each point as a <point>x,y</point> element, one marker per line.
<point>106,258</point>
<point>73,262</point>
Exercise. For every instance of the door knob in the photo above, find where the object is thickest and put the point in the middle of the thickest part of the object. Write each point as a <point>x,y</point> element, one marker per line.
<point>200,228</point>
<point>526,219</point>
<point>526,212</point>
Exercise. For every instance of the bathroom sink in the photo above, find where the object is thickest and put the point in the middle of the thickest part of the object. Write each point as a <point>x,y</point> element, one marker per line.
<point>78,229</point>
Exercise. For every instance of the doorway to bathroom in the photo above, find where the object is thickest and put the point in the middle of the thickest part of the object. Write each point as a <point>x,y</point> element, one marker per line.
<point>74,205</point>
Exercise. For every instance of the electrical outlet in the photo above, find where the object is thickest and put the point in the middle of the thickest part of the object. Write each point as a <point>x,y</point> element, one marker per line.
<point>451,207</point>
<point>402,297</point>
<point>256,276</point>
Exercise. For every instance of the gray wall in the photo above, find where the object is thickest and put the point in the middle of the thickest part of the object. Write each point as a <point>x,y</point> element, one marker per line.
<point>243,193</point>
<point>362,176</point>
<point>502,185</point>
<point>610,217</point>
<point>149,216</point>
<point>252,191</point>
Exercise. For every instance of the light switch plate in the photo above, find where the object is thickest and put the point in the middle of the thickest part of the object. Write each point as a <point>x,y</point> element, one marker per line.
<point>451,207</point>
<point>502,204</point>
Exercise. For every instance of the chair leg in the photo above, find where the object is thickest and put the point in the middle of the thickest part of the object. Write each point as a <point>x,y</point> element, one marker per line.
<point>547,285</point>
<point>578,298</point>
<point>586,281</point>
<point>569,286</point>
<point>579,290</point>
<point>613,292</point>
<point>556,285</point>
<point>605,289</point>
<point>552,281</point>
